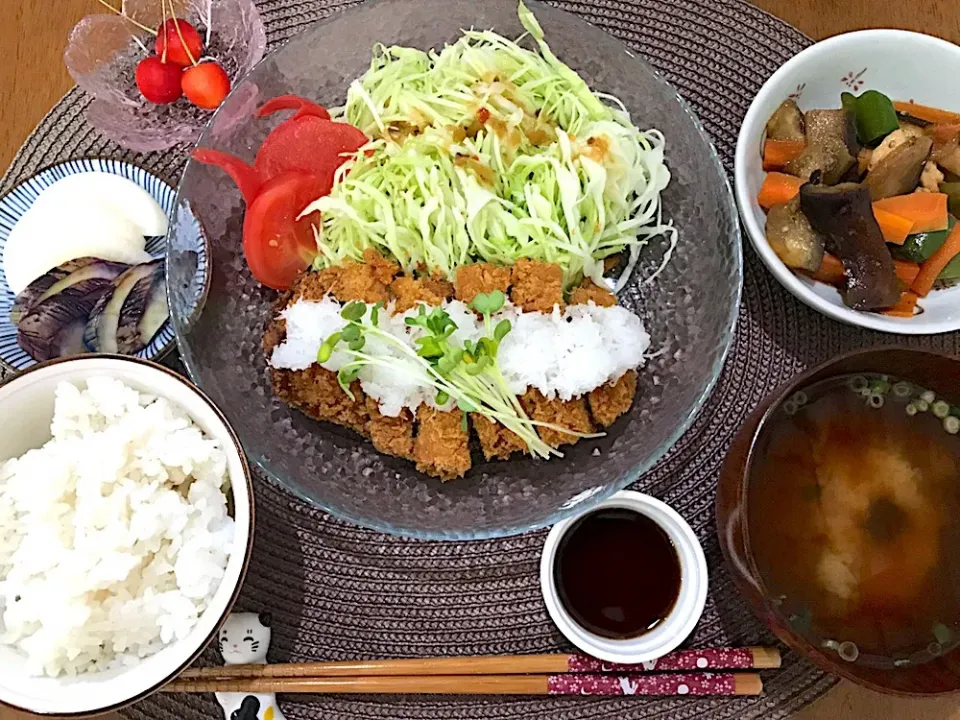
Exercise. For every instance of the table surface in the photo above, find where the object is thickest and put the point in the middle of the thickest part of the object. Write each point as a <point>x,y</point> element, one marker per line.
<point>33,80</point>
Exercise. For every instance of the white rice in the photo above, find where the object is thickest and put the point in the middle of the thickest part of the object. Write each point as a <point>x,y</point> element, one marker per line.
<point>561,354</point>
<point>114,536</point>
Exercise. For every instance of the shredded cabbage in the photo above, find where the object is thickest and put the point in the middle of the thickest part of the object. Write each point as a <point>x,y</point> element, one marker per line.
<point>487,151</point>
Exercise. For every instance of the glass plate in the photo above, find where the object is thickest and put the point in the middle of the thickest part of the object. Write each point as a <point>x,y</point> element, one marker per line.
<point>690,310</point>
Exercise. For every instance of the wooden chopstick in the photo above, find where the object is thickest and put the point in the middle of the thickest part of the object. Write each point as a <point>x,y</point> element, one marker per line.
<point>679,684</point>
<point>753,658</point>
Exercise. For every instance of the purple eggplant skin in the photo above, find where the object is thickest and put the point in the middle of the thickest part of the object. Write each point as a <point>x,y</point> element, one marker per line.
<point>843,214</point>
<point>54,327</point>
<point>101,334</point>
<point>144,312</point>
<point>59,279</point>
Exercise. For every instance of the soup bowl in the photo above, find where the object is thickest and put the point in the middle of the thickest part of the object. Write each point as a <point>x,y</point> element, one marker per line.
<point>933,675</point>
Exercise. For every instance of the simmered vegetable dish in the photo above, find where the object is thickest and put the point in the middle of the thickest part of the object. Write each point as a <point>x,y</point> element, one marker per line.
<point>864,198</point>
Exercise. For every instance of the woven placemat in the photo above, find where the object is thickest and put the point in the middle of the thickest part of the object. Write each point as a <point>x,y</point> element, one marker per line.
<point>340,592</point>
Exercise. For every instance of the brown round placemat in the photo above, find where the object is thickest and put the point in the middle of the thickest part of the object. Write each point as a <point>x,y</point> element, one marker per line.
<point>340,592</point>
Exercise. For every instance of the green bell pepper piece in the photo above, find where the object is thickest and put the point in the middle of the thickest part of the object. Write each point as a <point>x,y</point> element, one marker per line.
<point>919,247</point>
<point>952,191</point>
<point>874,115</point>
<point>951,271</point>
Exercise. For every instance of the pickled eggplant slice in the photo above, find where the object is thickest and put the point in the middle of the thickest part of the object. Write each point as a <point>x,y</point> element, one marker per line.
<point>104,323</point>
<point>55,327</point>
<point>143,313</point>
<point>843,214</point>
<point>792,238</point>
<point>59,279</point>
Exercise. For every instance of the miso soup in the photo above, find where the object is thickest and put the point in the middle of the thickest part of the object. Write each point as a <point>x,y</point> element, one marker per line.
<point>853,518</point>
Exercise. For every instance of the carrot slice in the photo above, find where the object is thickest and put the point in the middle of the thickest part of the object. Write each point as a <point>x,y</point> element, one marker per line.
<point>777,189</point>
<point>934,265</point>
<point>895,228</point>
<point>924,112</point>
<point>906,271</point>
<point>777,153</point>
<point>906,306</point>
<point>928,211</point>
<point>943,133</point>
<point>830,271</point>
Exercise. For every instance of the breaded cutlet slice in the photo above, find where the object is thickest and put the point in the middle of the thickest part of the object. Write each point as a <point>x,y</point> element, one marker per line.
<point>316,392</point>
<point>471,280</point>
<point>589,291</point>
<point>571,414</point>
<point>610,401</point>
<point>496,441</point>
<point>408,291</point>
<point>442,445</point>
<point>536,286</point>
<point>367,282</point>
<point>438,285</point>
<point>390,435</point>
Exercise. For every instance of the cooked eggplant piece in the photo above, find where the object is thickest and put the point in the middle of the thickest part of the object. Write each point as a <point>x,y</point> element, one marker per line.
<point>907,118</point>
<point>104,325</point>
<point>843,214</point>
<point>898,172</point>
<point>947,156</point>
<point>792,238</point>
<point>59,279</point>
<point>831,147</point>
<point>830,158</point>
<point>54,327</point>
<point>824,125</point>
<point>144,312</point>
<point>786,123</point>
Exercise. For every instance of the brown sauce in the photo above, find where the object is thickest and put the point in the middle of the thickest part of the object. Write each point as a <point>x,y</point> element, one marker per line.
<point>617,573</point>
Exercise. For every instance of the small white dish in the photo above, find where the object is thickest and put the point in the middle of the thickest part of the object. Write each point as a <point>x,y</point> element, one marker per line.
<point>686,611</point>
<point>895,62</point>
<point>29,398</point>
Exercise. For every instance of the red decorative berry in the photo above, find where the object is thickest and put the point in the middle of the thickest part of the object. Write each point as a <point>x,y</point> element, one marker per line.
<point>206,85</point>
<point>159,82</point>
<point>168,39</point>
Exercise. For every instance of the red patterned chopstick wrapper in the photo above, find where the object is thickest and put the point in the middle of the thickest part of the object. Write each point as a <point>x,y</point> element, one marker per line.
<point>676,684</point>
<point>734,659</point>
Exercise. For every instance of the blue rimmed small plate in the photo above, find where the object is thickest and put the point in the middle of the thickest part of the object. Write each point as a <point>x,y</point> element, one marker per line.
<point>14,204</point>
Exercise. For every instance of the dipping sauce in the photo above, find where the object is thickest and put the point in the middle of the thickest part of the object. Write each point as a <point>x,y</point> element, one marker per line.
<point>617,573</point>
<point>853,504</point>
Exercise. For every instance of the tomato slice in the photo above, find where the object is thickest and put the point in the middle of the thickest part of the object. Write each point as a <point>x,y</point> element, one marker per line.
<point>310,145</point>
<point>246,177</point>
<point>304,107</point>
<point>278,246</point>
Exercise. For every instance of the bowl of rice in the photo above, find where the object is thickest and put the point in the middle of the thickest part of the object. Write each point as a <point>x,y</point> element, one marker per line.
<point>126,524</point>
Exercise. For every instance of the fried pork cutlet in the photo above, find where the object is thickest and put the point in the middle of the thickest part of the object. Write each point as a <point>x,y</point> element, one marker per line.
<point>471,280</point>
<point>570,414</point>
<point>367,282</point>
<point>390,435</point>
<point>536,286</point>
<point>496,441</point>
<point>408,291</point>
<point>589,291</point>
<point>438,285</point>
<point>317,393</point>
<point>442,445</point>
<point>610,401</point>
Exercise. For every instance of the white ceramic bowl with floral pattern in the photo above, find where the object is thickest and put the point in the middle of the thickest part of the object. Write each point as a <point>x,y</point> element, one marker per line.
<point>904,66</point>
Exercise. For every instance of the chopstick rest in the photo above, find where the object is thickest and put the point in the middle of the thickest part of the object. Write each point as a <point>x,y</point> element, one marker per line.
<point>244,640</point>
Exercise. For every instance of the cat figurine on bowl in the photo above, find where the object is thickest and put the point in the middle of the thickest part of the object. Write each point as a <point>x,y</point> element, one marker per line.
<point>244,640</point>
